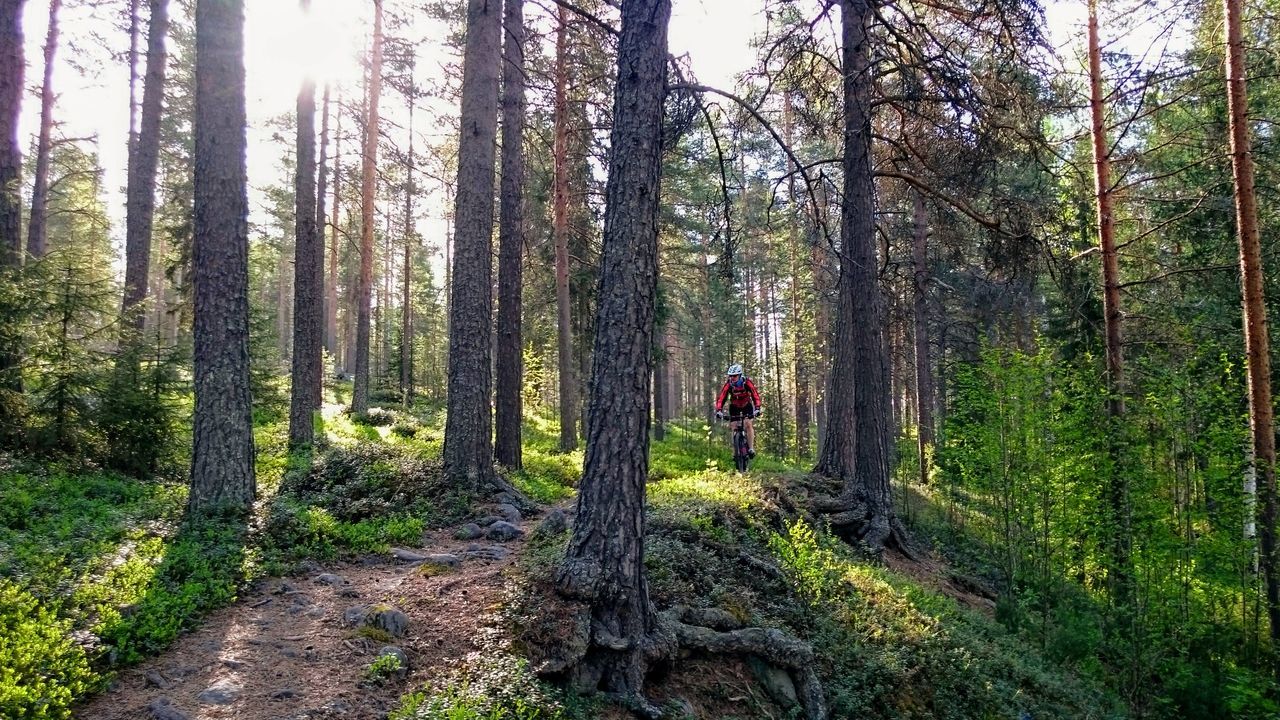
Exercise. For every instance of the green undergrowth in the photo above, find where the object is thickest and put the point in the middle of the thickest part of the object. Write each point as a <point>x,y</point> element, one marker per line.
<point>887,646</point>
<point>98,571</point>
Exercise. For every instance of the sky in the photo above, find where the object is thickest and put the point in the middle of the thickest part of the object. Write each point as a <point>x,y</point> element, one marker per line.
<point>93,98</point>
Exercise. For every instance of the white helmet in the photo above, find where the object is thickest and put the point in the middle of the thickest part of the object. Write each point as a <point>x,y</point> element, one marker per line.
<point>734,369</point>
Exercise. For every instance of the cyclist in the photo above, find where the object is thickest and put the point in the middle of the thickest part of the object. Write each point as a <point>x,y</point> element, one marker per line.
<point>744,403</point>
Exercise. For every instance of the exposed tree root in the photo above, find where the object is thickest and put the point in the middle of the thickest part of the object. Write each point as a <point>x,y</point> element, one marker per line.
<point>504,492</point>
<point>771,645</point>
<point>854,519</point>
<point>587,655</point>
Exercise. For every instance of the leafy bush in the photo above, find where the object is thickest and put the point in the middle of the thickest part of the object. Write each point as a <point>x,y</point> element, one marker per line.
<point>375,416</point>
<point>498,686</point>
<point>137,416</point>
<point>41,671</point>
<point>202,569</point>
<point>376,480</point>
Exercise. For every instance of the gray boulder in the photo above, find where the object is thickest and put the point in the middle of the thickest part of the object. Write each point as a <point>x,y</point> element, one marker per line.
<point>222,692</point>
<point>161,709</point>
<point>509,512</point>
<point>553,524</point>
<point>470,531</point>
<point>387,618</point>
<point>503,531</point>
<point>775,681</point>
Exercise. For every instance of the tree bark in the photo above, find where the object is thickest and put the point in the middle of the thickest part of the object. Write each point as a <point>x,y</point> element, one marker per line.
<point>604,563</point>
<point>37,222</point>
<point>406,303</point>
<point>799,342</point>
<point>508,400</point>
<point>331,288</point>
<point>560,232</point>
<point>308,255</point>
<point>11,73</point>
<point>368,180</point>
<point>1118,485</point>
<point>1257,345</point>
<point>920,313</point>
<point>468,451</point>
<point>322,217</point>
<point>855,447</point>
<point>141,182</point>
<point>222,467</point>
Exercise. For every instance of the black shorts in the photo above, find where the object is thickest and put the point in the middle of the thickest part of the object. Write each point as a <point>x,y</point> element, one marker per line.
<point>737,413</point>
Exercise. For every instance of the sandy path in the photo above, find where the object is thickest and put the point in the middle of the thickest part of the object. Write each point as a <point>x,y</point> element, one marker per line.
<point>285,651</point>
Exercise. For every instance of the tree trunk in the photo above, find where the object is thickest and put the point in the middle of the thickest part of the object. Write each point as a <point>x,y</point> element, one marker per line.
<point>11,71</point>
<point>1257,350</point>
<point>307,257</point>
<point>134,32</point>
<point>37,222</point>
<point>1119,576</point>
<point>799,341</point>
<point>141,183</point>
<point>322,216</point>
<point>468,452</point>
<point>660,381</point>
<point>508,401</point>
<point>855,447</point>
<point>406,303</point>
<point>368,180</point>
<point>222,469</point>
<point>560,232</point>
<point>331,287</point>
<point>920,312</point>
<point>604,563</point>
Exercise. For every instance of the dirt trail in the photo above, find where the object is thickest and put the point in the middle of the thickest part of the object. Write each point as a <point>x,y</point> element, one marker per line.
<point>285,649</point>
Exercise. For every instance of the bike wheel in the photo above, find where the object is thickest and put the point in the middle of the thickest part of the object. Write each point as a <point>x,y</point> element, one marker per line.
<point>740,461</point>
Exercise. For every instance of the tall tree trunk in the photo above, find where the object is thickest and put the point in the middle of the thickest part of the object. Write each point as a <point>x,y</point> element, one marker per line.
<point>222,469</point>
<point>308,256</point>
<point>920,312</point>
<point>37,221</point>
<point>141,182</point>
<point>1257,350</point>
<point>406,303</point>
<point>322,216</point>
<point>799,341</point>
<point>331,287</point>
<point>508,400</point>
<point>468,451</point>
<point>368,180</point>
<point>660,381</point>
<point>1119,576</point>
<point>11,71</point>
<point>560,232</point>
<point>855,447</point>
<point>604,563</point>
<point>134,33</point>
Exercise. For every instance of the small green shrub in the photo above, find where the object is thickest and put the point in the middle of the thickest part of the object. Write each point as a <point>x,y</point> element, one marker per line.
<point>383,668</point>
<point>41,671</point>
<point>375,417</point>
<point>499,686</point>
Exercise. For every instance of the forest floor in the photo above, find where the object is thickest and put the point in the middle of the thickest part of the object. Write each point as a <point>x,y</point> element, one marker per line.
<point>361,548</point>
<point>297,647</point>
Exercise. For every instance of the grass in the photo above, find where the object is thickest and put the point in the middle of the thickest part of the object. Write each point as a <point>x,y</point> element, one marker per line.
<point>106,558</point>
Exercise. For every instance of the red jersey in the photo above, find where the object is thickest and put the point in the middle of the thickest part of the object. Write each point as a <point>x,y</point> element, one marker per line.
<point>740,396</point>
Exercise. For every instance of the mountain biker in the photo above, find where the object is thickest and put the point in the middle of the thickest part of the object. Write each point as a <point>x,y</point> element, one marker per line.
<point>744,403</point>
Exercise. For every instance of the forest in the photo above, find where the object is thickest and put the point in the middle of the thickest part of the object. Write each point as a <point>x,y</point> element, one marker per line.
<point>395,359</point>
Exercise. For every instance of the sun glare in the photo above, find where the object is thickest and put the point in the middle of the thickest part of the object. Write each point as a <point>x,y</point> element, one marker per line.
<point>285,45</point>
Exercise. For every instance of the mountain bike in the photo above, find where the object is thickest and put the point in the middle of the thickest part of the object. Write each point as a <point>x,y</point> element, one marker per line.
<point>741,456</point>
